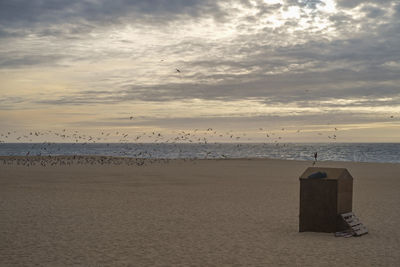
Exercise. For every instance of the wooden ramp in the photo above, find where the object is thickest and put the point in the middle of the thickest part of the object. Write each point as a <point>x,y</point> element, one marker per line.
<point>357,228</point>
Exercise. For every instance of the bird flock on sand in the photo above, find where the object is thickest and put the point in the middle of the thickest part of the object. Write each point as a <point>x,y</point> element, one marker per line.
<point>48,161</point>
<point>45,153</point>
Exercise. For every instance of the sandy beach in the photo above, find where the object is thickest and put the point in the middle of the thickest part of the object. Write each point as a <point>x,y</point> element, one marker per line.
<point>187,213</point>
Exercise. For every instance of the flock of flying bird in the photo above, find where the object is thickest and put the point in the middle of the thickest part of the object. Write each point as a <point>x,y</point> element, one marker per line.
<point>188,136</point>
<point>49,153</point>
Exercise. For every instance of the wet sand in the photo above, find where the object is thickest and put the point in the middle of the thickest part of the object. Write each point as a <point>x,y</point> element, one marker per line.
<point>187,213</point>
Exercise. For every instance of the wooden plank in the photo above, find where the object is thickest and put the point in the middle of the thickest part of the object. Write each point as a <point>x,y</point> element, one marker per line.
<point>359,227</point>
<point>347,233</point>
<point>361,231</point>
<point>353,222</point>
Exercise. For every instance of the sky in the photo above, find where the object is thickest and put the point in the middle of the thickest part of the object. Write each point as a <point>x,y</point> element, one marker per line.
<point>250,67</point>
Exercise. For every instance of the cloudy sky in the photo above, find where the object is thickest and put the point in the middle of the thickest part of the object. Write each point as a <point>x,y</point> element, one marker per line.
<point>308,65</point>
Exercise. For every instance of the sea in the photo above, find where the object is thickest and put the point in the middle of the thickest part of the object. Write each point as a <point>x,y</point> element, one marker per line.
<point>355,152</point>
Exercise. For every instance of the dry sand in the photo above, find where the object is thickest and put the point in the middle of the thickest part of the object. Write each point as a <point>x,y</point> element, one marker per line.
<point>188,213</point>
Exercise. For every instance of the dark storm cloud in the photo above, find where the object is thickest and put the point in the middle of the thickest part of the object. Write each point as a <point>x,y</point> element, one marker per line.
<point>373,12</point>
<point>66,21</point>
<point>231,120</point>
<point>302,88</point>
<point>20,13</point>
<point>318,67</point>
<point>282,88</point>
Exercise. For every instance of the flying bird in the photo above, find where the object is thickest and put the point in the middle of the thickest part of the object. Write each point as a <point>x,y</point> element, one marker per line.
<point>177,70</point>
